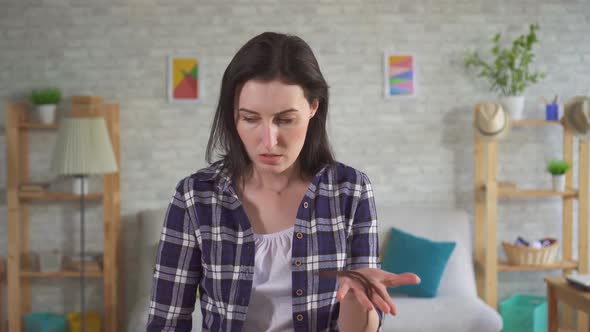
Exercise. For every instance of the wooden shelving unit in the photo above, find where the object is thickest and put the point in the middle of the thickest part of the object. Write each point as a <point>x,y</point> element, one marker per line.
<point>53,196</point>
<point>487,193</point>
<point>524,193</point>
<point>18,129</point>
<point>561,265</point>
<point>523,123</point>
<point>2,292</point>
<point>32,125</point>
<point>60,274</point>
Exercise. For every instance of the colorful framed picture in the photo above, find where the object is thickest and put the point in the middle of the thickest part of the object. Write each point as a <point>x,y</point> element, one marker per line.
<point>399,74</point>
<point>184,79</point>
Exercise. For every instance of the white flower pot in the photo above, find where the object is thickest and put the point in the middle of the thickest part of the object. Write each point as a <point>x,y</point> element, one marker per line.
<point>46,113</point>
<point>558,182</point>
<point>514,105</point>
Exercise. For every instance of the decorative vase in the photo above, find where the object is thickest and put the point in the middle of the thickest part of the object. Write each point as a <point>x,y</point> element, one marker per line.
<point>558,182</point>
<point>46,113</point>
<point>514,105</point>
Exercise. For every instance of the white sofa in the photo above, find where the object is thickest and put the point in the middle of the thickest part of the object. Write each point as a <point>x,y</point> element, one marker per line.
<point>456,307</point>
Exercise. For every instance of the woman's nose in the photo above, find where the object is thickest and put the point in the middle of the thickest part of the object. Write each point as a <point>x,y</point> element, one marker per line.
<point>270,136</point>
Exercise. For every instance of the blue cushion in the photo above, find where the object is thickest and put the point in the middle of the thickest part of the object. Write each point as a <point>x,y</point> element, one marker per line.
<point>405,252</point>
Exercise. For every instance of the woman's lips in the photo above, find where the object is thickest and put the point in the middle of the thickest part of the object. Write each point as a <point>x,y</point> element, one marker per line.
<point>270,159</point>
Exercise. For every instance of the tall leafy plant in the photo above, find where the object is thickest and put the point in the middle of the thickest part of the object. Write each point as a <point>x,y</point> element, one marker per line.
<point>508,72</point>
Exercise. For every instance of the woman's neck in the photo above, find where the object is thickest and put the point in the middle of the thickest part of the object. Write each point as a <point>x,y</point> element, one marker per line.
<point>272,182</point>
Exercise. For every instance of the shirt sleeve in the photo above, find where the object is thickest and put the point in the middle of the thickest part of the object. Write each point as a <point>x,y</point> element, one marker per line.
<point>363,240</point>
<point>177,270</point>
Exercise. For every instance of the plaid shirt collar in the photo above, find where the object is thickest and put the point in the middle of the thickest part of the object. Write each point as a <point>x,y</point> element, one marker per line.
<point>224,182</point>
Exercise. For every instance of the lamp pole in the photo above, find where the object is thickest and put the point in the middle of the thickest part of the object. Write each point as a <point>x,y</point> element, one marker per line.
<point>82,231</point>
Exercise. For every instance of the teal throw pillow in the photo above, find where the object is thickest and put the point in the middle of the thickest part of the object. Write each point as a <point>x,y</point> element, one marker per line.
<point>405,252</point>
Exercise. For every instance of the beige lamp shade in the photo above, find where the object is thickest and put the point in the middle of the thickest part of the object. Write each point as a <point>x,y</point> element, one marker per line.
<point>83,147</point>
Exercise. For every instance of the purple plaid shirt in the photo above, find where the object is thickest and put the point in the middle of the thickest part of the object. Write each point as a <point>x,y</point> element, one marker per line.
<point>207,242</point>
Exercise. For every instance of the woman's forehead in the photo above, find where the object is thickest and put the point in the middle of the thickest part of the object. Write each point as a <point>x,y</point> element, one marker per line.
<point>274,87</point>
<point>273,96</point>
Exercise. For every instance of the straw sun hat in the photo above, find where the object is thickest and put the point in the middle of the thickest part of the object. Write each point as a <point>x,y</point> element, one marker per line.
<point>492,121</point>
<point>576,115</point>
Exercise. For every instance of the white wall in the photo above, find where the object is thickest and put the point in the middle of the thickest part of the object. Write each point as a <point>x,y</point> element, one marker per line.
<point>416,151</point>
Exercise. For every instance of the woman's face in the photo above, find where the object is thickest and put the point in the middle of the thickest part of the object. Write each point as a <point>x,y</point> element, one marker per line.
<point>272,119</point>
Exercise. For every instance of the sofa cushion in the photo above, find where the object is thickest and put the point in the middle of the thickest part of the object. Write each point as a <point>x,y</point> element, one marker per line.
<point>406,252</point>
<point>437,224</point>
<point>442,313</point>
<point>150,227</point>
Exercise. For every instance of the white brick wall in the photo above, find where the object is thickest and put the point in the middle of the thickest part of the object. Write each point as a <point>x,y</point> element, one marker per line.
<point>416,151</point>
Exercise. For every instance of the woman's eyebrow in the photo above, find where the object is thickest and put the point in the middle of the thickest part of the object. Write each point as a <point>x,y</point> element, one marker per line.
<point>278,113</point>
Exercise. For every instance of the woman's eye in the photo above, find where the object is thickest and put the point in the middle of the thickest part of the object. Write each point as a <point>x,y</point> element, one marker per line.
<point>249,120</point>
<point>285,121</point>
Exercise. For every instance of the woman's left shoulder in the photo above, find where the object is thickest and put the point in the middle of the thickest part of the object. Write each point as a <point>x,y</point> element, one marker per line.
<point>342,173</point>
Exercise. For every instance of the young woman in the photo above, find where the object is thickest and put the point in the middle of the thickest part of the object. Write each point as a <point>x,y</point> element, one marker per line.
<point>275,234</point>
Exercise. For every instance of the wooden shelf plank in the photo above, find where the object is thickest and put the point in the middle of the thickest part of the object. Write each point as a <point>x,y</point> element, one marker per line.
<point>60,274</point>
<point>33,125</point>
<point>516,192</point>
<point>504,266</point>
<point>535,122</point>
<point>54,196</point>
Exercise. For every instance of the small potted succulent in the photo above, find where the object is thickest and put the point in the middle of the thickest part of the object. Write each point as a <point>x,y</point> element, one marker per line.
<point>558,168</point>
<point>46,101</point>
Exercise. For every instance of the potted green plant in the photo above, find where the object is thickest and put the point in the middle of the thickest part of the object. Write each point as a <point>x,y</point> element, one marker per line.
<point>558,168</point>
<point>508,71</point>
<point>46,101</point>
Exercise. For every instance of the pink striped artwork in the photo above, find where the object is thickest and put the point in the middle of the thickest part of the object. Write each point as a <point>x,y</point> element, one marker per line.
<point>400,75</point>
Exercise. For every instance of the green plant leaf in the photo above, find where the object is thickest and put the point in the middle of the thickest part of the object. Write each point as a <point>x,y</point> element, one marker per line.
<point>46,96</point>
<point>558,167</point>
<point>508,72</point>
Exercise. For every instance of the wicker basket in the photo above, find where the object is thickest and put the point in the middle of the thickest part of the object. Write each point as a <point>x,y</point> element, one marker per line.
<point>521,255</point>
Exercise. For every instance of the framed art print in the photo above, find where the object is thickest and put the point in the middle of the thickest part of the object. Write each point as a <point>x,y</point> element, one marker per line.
<point>399,74</point>
<point>184,79</point>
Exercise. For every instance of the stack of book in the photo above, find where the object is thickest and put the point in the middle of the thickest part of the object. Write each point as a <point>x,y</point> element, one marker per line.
<point>2,269</point>
<point>29,261</point>
<point>92,263</point>
<point>89,266</point>
<point>34,187</point>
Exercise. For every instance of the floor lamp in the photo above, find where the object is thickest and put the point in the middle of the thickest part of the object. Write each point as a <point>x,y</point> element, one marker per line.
<point>83,148</point>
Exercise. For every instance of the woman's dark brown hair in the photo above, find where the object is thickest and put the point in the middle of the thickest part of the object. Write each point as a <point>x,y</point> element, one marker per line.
<point>267,57</point>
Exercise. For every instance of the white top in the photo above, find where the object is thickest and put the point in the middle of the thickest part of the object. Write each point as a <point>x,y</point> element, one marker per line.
<point>271,305</point>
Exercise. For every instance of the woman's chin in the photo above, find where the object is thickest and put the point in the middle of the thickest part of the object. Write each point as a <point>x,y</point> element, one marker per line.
<point>278,167</point>
<point>275,168</point>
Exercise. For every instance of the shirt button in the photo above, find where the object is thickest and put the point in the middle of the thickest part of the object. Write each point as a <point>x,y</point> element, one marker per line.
<point>299,235</point>
<point>297,263</point>
<point>300,317</point>
<point>305,205</point>
<point>299,292</point>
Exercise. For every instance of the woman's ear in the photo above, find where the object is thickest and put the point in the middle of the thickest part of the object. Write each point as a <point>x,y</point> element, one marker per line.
<point>314,107</point>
